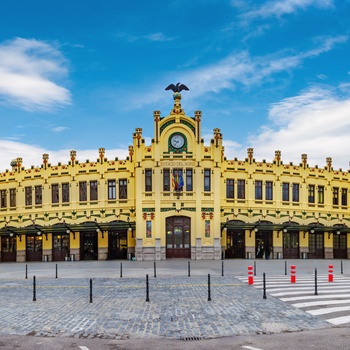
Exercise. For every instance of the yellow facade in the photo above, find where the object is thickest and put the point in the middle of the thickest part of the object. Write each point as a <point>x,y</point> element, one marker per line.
<point>174,198</point>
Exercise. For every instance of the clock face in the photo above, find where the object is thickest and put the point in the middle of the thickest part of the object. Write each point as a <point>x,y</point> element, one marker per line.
<point>177,141</point>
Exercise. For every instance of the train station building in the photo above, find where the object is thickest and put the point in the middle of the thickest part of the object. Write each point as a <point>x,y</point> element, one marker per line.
<point>176,197</point>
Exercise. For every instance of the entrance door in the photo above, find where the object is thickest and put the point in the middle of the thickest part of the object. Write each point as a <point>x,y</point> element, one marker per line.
<point>60,247</point>
<point>235,247</point>
<point>8,248</point>
<point>88,246</point>
<point>263,244</point>
<point>117,245</point>
<point>340,246</point>
<point>291,245</point>
<point>178,237</point>
<point>34,248</point>
<point>316,250</point>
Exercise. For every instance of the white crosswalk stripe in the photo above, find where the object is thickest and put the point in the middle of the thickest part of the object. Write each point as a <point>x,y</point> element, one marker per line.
<point>332,302</point>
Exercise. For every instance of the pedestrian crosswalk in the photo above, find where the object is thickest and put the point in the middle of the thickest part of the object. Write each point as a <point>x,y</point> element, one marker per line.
<point>327,300</point>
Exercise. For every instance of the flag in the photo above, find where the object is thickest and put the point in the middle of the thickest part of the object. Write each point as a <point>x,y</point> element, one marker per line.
<point>173,181</point>
<point>181,182</point>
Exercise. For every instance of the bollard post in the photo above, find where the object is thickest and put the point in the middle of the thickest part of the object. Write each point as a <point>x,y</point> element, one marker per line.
<point>222,268</point>
<point>254,268</point>
<point>147,289</point>
<point>155,271</point>
<point>316,293</point>
<point>189,269</point>
<point>285,268</point>
<point>292,274</point>
<point>330,273</point>
<point>250,275</point>
<point>264,286</point>
<point>209,296</point>
<point>56,272</point>
<point>90,290</point>
<point>26,271</point>
<point>121,270</point>
<point>341,266</point>
<point>34,289</point>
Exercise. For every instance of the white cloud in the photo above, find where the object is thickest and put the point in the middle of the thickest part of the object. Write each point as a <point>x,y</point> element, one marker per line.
<point>59,128</point>
<point>28,71</point>
<point>32,155</point>
<point>278,8</point>
<point>316,122</point>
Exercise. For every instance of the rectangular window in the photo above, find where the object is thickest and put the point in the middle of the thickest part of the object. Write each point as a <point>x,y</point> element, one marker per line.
<point>189,179</point>
<point>12,197</point>
<point>93,191</point>
<point>258,190</point>
<point>320,193</point>
<point>344,197</point>
<point>3,199</point>
<point>311,194</point>
<point>28,195</point>
<point>335,195</point>
<point>241,189</point>
<point>111,189</point>
<point>148,180</point>
<point>268,191</point>
<point>123,189</point>
<point>54,193</point>
<point>38,195</point>
<point>230,185</point>
<point>166,180</point>
<point>177,179</point>
<point>206,180</point>
<point>82,191</point>
<point>285,191</point>
<point>65,192</point>
<point>295,193</point>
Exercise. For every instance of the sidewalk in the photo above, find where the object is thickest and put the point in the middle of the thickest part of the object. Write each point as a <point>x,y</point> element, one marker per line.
<point>178,306</point>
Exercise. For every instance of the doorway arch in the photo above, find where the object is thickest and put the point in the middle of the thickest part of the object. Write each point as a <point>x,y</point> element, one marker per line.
<point>178,237</point>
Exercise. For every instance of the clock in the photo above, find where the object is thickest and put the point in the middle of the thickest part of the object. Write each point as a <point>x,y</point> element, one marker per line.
<point>177,141</point>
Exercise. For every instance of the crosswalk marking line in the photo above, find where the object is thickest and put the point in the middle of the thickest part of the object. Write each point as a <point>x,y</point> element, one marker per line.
<point>321,302</point>
<point>339,320</point>
<point>328,310</point>
<point>308,297</point>
<point>250,347</point>
<point>83,348</point>
<point>334,292</point>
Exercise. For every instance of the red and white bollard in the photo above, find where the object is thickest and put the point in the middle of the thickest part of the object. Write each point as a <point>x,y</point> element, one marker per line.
<point>293,277</point>
<point>330,273</point>
<point>250,275</point>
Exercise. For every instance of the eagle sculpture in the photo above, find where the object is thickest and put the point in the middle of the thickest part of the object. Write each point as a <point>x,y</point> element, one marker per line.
<point>177,88</point>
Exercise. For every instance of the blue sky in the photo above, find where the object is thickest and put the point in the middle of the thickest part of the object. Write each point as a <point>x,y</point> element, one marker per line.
<point>272,75</point>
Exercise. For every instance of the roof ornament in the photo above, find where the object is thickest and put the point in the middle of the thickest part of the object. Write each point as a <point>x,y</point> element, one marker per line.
<point>177,88</point>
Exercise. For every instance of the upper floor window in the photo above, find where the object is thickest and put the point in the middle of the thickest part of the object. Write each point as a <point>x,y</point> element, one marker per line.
<point>295,190</point>
<point>206,179</point>
<point>335,195</point>
<point>54,193</point>
<point>189,179</point>
<point>12,197</point>
<point>230,183</point>
<point>268,191</point>
<point>177,179</point>
<point>65,192</point>
<point>166,180</point>
<point>311,194</point>
<point>28,195</point>
<point>258,189</point>
<point>241,189</point>
<point>82,191</point>
<point>148,180</point>
<point>285,191</point>
<point>38,195</point>
<point>93,191</point>
<point>320,192</point>
<point>3,199</point>
<point>111,189</point>
<point>344,196</point>
<point>123,189</point>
